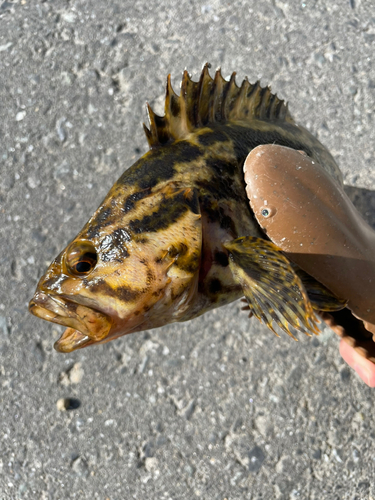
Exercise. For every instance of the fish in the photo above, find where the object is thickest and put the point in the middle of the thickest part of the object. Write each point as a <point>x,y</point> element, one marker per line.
<point>176,237</point>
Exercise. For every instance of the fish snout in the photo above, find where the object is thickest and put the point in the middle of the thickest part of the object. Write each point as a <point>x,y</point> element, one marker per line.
<point>85,324</point>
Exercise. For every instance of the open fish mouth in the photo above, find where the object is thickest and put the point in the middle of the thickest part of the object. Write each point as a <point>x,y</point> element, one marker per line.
<point>85,325</point>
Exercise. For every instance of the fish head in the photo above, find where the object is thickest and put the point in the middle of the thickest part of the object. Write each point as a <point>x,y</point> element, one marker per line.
<point>125,271</point>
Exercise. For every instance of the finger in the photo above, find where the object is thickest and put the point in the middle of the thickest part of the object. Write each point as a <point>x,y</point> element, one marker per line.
<point>356,360</point>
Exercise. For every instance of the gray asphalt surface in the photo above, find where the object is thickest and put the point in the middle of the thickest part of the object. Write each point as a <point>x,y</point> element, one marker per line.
<point>217,408</point>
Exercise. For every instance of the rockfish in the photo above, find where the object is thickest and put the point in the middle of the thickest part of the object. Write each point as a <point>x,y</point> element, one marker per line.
<point>175,236</point>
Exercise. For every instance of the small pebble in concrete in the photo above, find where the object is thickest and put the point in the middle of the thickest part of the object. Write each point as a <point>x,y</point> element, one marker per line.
<point>65,404</point>
<point>20,116</point>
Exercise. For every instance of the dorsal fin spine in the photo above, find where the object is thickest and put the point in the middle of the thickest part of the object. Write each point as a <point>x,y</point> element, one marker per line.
<point>254,99</point>
<point>153,129</point>
<point>217,94</point>
<point>171,100</point>
<point>265,99</point>
<point>239,108</point>
<point>204,84</point>
<point>148,135</point>
<point>271,107</point>
<point>211,101</point>
<point>185,129</point>
<point>230,94</point>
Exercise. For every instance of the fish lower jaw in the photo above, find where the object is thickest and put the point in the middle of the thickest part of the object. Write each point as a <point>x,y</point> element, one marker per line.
<point>71,340</point>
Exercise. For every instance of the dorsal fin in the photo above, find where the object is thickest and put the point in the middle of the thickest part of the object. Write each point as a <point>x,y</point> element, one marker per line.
<point>209,101</point>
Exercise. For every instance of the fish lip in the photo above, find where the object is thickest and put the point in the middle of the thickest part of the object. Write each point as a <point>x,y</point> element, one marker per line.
<point>44,306</point>
<point>45,299</point>
<point>86,320</point>
<point>50,307</point>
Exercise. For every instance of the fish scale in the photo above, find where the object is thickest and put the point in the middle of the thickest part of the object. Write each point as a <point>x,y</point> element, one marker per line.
<point>175,236</point>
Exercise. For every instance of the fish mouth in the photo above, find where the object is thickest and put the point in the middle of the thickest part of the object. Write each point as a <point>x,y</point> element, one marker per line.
<point>85,325</point>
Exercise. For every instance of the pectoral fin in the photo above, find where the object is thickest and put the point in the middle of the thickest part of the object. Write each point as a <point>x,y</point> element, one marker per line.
<point>321,298</point>
<point>272,288</point>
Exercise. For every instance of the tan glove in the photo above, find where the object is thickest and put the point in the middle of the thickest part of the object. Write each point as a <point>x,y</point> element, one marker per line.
<point>306,212</point>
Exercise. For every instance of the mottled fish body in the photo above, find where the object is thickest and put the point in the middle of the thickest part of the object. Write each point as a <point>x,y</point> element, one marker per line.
<point>175,235</point>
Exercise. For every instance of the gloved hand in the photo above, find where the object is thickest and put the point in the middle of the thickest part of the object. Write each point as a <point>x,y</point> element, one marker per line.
<point>307,214</point>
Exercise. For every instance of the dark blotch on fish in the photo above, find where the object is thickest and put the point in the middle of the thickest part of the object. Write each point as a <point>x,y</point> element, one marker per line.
<point>126,294</point>
<point>140,240</point>
<point>219,189</point>
<point>130,201</point>
<point>113,245</point>
<point>94,229</point>
<point>120,236</point>
<point>221,185</point>
<point>217,214</point>
<point>113,255</point>
<point>122,292</point>
<point>159,165</point>
<point>222,168</point>
<point>226,222</point>
<point>103,215</point>
<point>215,286</point>
<point>101,221</point>
<point>189,264</point>
<point>222,259</point>
<point>150,275</point>
<point>211,137</point>
<point>168,213</point>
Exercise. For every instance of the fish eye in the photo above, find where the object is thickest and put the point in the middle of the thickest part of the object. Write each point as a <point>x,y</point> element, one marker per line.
<point>81,258</point>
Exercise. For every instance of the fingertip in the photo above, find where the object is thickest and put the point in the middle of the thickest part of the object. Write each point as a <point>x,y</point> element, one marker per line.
<point>356,360</point>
